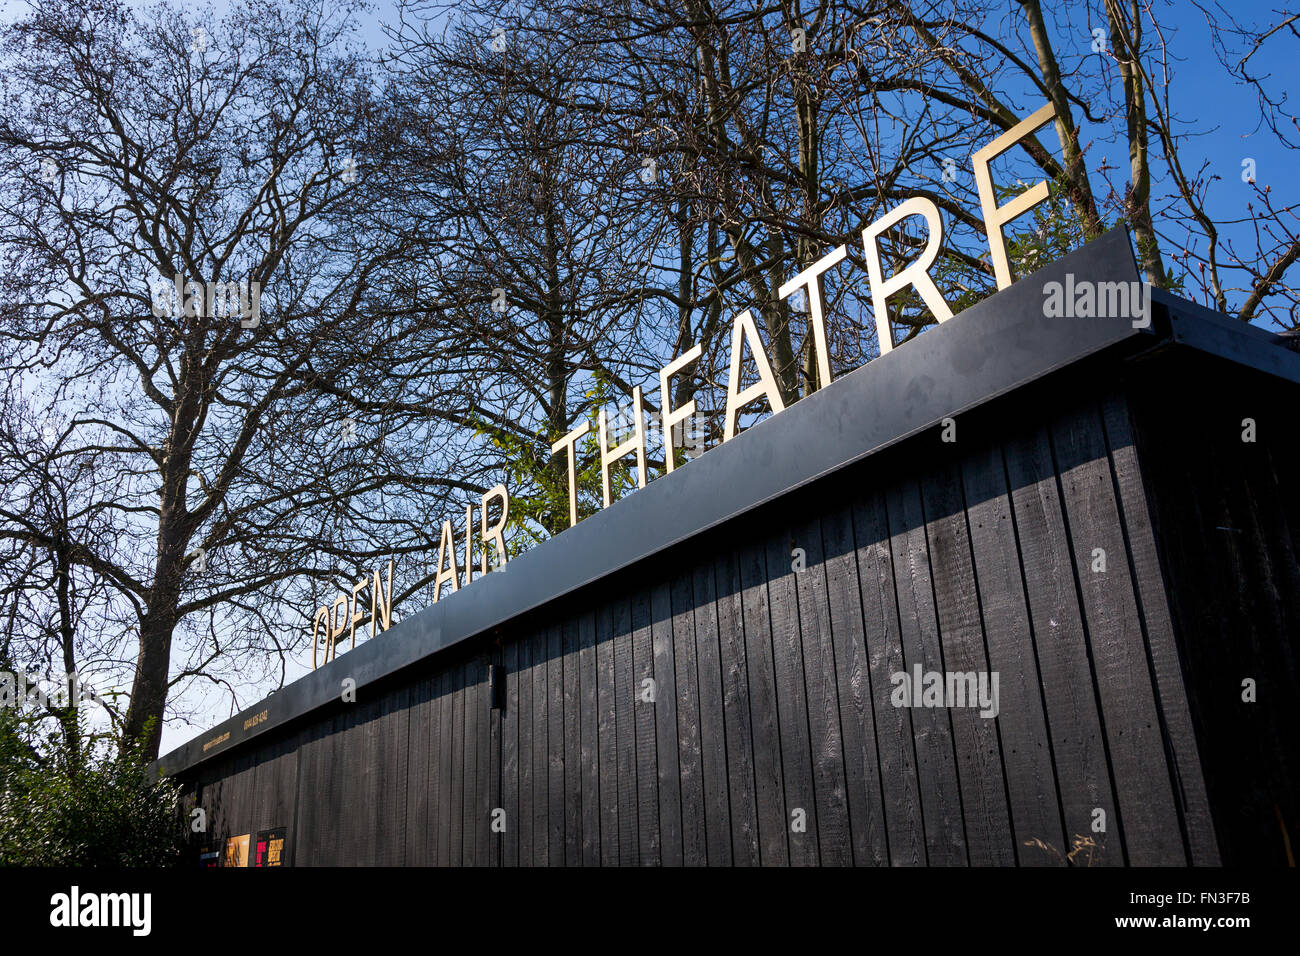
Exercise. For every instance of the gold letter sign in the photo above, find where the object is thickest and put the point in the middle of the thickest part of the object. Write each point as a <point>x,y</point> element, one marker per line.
<point>345,614</point>
<point>995,216</point>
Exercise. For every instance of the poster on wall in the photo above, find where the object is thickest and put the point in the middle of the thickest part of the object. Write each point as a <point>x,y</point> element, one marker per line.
<point>236,851</point>
<point>210,856</point>
<point>269,848</point>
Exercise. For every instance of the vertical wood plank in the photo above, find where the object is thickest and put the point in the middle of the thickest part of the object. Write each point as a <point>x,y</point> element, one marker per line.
<point>1026,742</point>
<point>572,759</point>
<point>349,784</point>
<point>713,731</point>
<point>647,768</point>
<point>555,690</point>
<point>1148,817</point>
<point>626,710</point>
<point>590,746</point>
<point>866,807</point>
<point>458,856</point>
<point>304,849</point>
<point>769,789</point>
<point>1069,692</point>
<point>736,712</point>
<point>822,692</point>
<point>1189,791</point>
<point>469,775</point>
<point>274,784</point>
<point>540,643</point>
<point>791,701</point>
<point>931,726</point>
<point>989,838</point>
<point>666,731</point>
<point>394,729</point>
<point>485,763</point>
<point>353,786</point>
<point>525,802</point>
<point>420,760</point>
<point>510,754</point>
<point>895,738</point>
<point>495,763</point>
<point>607,736</point>
<point>446,745</point>
<point>690,759</point>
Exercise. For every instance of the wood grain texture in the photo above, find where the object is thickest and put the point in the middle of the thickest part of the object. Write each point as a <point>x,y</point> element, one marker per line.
<point>980,772</point>
<point>769,789</point>
<point>1148,817</point>
<point>931,726</point>
<point>1189,787</point>
<point>895,738</point>
<point>736,712</point>
<point>571,706</point>
<point>821,691</point>
<point>509,774</point>
<point>588,737</point>
<point>647,753</point>
<point>712,729</point>
<point>421,782</point>
<point>773,646</point>
<point>689,759</point>
<point>558,812</point>
<point>457,855</point>
<point>791,701</point>
<point>446,690</point>
<point>862,782</point>
<point>1056,619</point>
<point>524,799</point>
<point>666,729</point>
<point>540,644</point>
<point>625,732</point>
<point>606,737</point>
<point>472,789</point>
<point>1022,724</point>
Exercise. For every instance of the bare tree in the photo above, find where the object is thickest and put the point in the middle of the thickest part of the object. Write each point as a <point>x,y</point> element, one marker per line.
<point>200,294</point>
<point>520,156</point>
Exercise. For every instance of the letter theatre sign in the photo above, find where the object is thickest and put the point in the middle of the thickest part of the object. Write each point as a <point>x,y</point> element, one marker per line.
<point>331,623</point>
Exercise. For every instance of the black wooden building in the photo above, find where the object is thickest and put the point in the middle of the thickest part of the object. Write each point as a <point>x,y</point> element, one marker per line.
<point>1114,531</point>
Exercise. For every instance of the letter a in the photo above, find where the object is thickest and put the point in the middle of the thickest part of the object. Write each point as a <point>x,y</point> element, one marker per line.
<point>446,553</point>
<point>766,385</point>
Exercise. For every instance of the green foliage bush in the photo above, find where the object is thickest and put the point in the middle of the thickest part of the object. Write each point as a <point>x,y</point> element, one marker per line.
<point>101,808</point>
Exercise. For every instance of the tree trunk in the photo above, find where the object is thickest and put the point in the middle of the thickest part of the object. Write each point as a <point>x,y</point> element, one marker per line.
<point>1126,41</point>
<point>149,691</point>
<point>1077,187</point>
